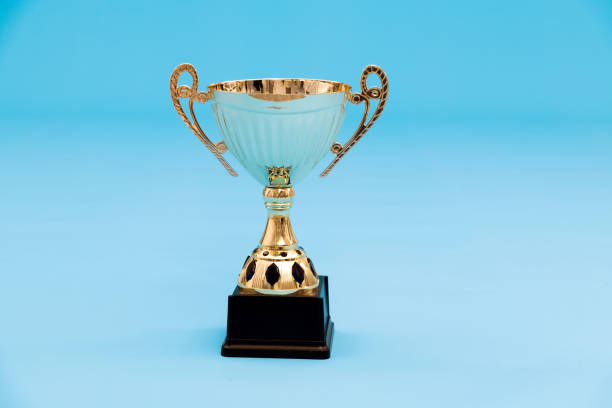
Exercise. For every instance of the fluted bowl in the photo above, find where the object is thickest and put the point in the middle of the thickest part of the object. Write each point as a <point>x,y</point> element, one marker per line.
<point>279,123</point>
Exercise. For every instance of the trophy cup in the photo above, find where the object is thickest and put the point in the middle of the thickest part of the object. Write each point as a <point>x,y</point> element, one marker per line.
<point>279,129</point>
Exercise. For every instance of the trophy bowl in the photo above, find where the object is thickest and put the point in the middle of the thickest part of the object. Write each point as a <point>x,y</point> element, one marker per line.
<point>278,129</point>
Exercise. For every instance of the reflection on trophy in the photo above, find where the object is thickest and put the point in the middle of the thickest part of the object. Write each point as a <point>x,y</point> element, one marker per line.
<point>279,129</point>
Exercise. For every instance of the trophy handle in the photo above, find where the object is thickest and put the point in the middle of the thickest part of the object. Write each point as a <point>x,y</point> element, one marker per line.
<point>184,91</point>
<point>356,98</point>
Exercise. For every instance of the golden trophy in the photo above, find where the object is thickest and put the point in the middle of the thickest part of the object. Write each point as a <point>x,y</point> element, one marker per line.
<point>278,129</point>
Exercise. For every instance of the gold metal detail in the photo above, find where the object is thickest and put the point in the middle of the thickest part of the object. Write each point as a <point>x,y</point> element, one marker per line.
<point>279,176</point>
<point>336,148</point>
<point>184,91</point>
<point>365,96</point>
<point>262,258</point>
<point>278,232</point>
<point>281,89</point>
<point>278,192</point>
<point>221,147</point>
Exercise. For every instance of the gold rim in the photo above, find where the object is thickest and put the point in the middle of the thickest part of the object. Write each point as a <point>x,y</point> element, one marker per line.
<point>281,89</point>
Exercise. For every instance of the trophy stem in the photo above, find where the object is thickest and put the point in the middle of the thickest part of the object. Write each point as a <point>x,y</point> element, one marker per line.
<point>278,265</point>
<point>278,232</point>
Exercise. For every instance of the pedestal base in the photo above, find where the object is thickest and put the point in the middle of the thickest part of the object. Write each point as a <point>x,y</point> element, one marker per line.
<point>282,326</point>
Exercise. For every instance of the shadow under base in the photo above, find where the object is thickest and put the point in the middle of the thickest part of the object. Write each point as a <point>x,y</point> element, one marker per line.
<point>281,326</point>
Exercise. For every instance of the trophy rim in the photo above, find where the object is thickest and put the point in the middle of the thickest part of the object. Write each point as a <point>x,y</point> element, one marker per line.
<point>281,88</point>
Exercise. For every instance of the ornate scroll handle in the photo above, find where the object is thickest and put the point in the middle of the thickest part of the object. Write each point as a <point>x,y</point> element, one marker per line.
<point>356,98</point>
<point>192,93</point>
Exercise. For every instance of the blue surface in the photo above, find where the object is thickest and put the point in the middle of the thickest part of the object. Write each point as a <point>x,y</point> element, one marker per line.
<point>476,215</point>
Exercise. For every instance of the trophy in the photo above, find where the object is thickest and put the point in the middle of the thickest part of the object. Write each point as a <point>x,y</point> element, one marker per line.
<point>278,129</point>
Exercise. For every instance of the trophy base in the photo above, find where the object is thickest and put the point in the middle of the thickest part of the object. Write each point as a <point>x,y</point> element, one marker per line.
<point>282,326</point>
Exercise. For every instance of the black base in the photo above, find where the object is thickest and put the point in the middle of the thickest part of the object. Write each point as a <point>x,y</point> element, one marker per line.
<point>283,326</point>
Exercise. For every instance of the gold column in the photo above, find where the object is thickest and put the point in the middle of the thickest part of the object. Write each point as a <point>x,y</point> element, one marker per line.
<point>278,265</point>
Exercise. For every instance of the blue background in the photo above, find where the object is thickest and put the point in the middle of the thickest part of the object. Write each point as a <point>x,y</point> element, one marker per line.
<point>467,237</point>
